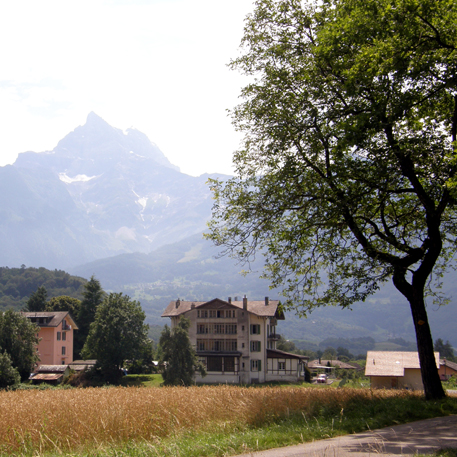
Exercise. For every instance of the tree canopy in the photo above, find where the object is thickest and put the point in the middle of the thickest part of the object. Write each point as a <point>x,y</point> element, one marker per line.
<point>93,295</point>
<point>346,177</point>
<point>18,339</point>
<point>178,356</point>
<point>117,334</point>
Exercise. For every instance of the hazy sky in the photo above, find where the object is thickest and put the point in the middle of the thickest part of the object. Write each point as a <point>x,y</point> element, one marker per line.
<point>156,65</point>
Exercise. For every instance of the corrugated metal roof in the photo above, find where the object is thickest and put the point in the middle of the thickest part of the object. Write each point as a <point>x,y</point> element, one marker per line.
<point>257,307</point>
<point>386,363</point>
<point>47,377</point>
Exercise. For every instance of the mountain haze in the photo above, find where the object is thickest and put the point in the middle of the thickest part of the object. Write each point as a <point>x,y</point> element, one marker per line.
<point>100,192</point>
<point>108,203</point>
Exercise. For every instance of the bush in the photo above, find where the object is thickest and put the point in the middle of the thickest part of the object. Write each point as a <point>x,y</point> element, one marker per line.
<point>9,376</point>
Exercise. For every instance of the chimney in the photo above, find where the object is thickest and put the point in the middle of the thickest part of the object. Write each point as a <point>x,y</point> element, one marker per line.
<point>245,303</point>
<point>178,302</point>
<point>266,301</point>
<point>230,299</point>
<point>236,298</point>
<point>192,306</point>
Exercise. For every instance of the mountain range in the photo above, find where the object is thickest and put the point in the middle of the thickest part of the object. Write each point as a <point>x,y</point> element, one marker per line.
<point>108,203</point>
<point>100,192</point>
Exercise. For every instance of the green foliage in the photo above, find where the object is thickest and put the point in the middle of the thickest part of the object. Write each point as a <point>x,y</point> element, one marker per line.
<point>18,339</point>
<point>445,349</point>
<point>93,295</point>
<point>178,356</point>
<point>18,284</point>
<point>64,303</point>
<point>9,376</point>
<point>117,334</point>
<point>38,300</point>
<point>347,172</point>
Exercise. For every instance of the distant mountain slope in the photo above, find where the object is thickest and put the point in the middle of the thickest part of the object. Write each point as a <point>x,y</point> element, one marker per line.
<point>188,270</point>
<point>17,284</point>
<point>100,192</point>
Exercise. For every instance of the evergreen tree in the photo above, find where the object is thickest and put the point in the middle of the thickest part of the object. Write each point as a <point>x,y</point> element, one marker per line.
<point>445,349</point>
<point>38,300</point>
<point>93,295</point>
<point>178,356</point>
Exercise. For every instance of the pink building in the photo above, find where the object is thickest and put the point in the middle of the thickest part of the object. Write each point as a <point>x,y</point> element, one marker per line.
<point>56,336</point>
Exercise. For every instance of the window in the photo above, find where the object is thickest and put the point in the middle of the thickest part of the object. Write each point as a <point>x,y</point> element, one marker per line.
<point>255,329</point>
<point>63,350</point>
<point>230,313</point>
<point>202,313</point>
<point>281,365</point>
<point>230,329</point>
<point>255,346</point>
<point>242,345</point>
<point>64,336</point>
<point>202,328</point>
<point>58,336</point>
<point>256,365</point>
<point>229,363</point>
<point>214,363</point>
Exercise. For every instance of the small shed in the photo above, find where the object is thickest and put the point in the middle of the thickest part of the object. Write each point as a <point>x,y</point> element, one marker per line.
<point>82,365</point>
<point>395,370</point>
<point>53,374</point>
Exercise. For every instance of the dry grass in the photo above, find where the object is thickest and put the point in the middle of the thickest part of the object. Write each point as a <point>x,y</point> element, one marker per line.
<point>34,421</point>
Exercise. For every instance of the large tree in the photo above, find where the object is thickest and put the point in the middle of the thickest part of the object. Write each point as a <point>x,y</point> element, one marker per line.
<point>92,297</point>
<point>18,338</point>
<point>347,173</point>
<point>177,355</point>
<point>117,334</point>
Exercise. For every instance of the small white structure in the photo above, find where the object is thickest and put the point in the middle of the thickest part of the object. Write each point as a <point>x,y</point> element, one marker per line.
<point>395,370</point>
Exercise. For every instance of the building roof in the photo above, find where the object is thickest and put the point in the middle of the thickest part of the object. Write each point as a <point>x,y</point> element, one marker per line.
<point>81,365</point>
<point>393,363</point>
<point>46,377</point>
<point>277,354</point>
<point>51,318</point>
<point>266,308</point>
<point>447,363</point>
<point>52,369</point>
<point>333,363</point>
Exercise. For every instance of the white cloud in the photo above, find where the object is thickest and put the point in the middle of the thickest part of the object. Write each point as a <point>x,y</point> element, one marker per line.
<point>159,66</point>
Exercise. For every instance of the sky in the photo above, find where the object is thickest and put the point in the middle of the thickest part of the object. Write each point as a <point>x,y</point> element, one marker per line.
<point>159,66</point>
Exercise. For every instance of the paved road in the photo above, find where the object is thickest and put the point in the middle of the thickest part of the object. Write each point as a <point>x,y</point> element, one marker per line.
<point>421,437</point>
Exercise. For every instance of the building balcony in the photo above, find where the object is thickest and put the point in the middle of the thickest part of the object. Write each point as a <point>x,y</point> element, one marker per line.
<point>274,337</point>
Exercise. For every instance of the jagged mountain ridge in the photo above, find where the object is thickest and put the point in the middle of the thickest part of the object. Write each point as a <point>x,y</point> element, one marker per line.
<point>100,192</point>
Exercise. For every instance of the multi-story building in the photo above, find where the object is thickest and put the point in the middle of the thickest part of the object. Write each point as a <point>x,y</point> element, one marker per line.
<point>236,340</point>
<point>56,336</point>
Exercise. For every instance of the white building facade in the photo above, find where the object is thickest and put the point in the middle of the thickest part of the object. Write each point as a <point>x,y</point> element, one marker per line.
<point>236,340</point>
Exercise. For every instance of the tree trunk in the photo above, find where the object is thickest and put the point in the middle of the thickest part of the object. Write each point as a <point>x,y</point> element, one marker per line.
<point>433,388</point>
<point>430,378</point>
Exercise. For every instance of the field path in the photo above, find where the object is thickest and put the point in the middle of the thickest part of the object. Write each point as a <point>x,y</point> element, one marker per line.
<point>421,437</point>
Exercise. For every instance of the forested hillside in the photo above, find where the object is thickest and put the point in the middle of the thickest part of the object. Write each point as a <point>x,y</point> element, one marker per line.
<point>16,285</point>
